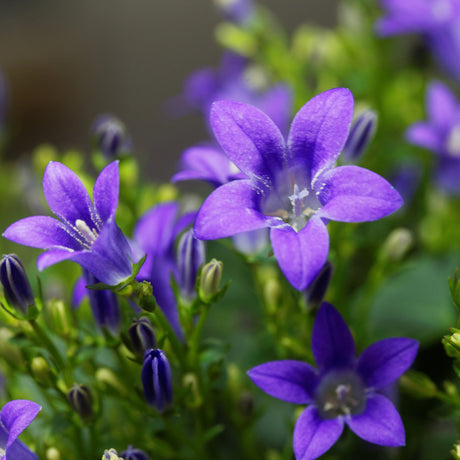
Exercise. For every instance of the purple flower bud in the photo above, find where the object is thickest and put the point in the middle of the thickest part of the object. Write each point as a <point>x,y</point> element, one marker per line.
<point>134,454</point>
<point>156,379</point>
<point>141,336</point>
<point>110,136</point>
<point>81,401</point>
<point>361,134</point>
<point>15,283</point>
<point>190,256</point>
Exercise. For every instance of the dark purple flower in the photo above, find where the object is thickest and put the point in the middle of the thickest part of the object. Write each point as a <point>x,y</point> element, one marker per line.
<point>190,257</point>
<point>15,417</point>
<point>437,20</point>
<point>110,136</point>
<point>16,286</point>
<point>156,379</point>
<point>131,453</point>
<point>142,336</point>
<point>155,234</point>
<point>84,232</point>
<point>441,134</point>
<point>342,390</point>
<point>292,186</point>
<point>81,401</point>
<point>361,134</point>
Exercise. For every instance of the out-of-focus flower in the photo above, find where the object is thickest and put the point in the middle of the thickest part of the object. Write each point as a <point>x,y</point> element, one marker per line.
<point>142,337</point>
<point>111,454</point>
<point>238,11</point>
<point>155,234</point>
<point>437,20</point>
<point>441,134</point>
<point>292,186</point>
<point>405,180</point>
<point>156,379</point>
<point>16,286</point>
<point>343,390</point>
<point>104,303</point>
<point>190,257</point>
<point>361,134</point>
<point>109,135</point>
<point>80,399</point>
<point>84,232</point>
<point>15,417</point>
<point>131,453</point>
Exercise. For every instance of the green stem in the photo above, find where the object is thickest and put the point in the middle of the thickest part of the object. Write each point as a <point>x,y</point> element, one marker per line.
<point>197,333</point>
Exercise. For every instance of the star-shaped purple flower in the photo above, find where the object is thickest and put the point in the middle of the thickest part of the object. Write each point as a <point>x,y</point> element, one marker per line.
<point>15,417</point>
<point>84,232</point>
<point>292,186</point>
<point>437,20</point>
<point>343,390</point>
<point>441,134</point>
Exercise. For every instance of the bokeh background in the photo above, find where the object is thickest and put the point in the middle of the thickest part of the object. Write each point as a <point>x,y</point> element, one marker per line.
<point>68,61</point>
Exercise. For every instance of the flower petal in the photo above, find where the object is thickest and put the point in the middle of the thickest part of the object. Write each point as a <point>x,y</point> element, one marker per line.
<point>250,139</point>
<point>354,194</point>
<point>206,163</point>
<point>41,232</point>
<point>425,135</point>
<point>302,255</point>
<point>386,360</point>
<point>232,208</point>
<point>332,343</point>
<point>277,103</point>
<point>110,256</point>
<point>19,451</point>
<point>441,105</point>
<point>16,416</point>
<point>380,423</point>
<point>105,192</point>
<point>313,436</point>
<point>288,380</point>
<point>53,256</point>
<point>320,129</point>
<point>66,195</point>
<point>448,175</point>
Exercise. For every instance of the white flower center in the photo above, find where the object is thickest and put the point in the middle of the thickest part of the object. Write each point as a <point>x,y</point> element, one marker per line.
<point>89,236</point>
<point>453,142</point>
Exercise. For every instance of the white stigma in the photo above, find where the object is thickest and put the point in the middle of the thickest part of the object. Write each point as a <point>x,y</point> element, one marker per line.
<point>88,234</point>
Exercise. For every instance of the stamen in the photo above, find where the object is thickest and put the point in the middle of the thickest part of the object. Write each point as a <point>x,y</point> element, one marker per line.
<point>88,234</point>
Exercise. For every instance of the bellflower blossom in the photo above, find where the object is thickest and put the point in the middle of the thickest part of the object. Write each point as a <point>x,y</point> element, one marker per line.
<point>441,134</point>
<point>155,234</point>
<point>15,417</point>
<point>437,20</point>
<point>84,232</point>
<point>343,390</point>
<point>292,187</point>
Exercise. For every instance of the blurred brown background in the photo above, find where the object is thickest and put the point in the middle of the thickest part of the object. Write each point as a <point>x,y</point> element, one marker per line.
<point>69,60</point>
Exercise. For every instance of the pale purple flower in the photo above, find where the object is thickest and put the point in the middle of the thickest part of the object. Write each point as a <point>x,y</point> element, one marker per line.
<point>155,234</point>
<point>292,186</point>
<point>238,11</point>
<point>437,20</point>
<point>441,134</point>
<point>342,390</point>
<point>15,417</point>
<point>84,232</point>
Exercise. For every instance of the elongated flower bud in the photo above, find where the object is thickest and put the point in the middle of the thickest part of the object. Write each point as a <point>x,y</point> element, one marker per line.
<point>81,401</point>
<point>15,283</point>
<point>317,290</point>
<point>142,336</point>
<point>190,256</point>
<point>361,134</point>
<point>211,274</point>
<point>110,136</point>
<point>134,454</point>
<point>156,379</point>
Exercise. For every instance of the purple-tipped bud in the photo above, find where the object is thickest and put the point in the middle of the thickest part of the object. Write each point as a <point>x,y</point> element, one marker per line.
<point>81,401</point>
<point>315,293</point>
<point>104,305</point>
<point>190,256</point>
<point>361,134</point>
<point>211,274</point>
<point>156,379</point>
<point>141,336</point>
<point>111,454</point>
<point>16,286</point>
<point>134,454</point>
<point>110,136</point>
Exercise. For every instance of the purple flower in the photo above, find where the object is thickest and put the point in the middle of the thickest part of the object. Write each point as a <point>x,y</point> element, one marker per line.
<point>292,186</point>
<point>238,11</point>
<point>155,234</point>
<point>15,417</point>
<point>441,134</point>
<point>342,390</point>
<point>437,20</point>
<point>110,136</point>
<point>84,232</point>
<point>131,453</point>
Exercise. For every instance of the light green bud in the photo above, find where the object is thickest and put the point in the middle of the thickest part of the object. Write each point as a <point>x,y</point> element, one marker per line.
<point>41,371</point>
<point>210,277</point>
<point>52,454</point>
<point>111,454</point>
